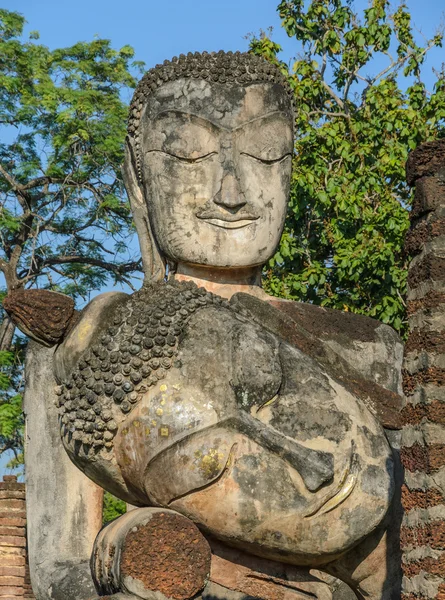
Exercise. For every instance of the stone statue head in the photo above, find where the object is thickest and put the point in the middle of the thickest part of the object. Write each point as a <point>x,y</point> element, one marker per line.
<point>208,162</point>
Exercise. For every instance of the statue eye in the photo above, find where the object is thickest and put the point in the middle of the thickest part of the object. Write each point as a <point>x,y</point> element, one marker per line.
<point>190,160</point>
<point>266,161</point>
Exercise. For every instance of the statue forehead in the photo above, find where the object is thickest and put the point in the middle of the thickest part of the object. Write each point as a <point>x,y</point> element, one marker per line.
<point>226,105</point>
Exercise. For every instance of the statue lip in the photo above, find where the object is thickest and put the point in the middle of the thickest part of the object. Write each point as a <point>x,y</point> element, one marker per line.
<point>228,221</point>
<point>226,224</point>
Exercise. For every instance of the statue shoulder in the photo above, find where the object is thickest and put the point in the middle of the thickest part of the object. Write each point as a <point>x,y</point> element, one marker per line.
<point>371,347</point>
<point>91,322</point>
<point>360,352</point>
<point>345,329</point>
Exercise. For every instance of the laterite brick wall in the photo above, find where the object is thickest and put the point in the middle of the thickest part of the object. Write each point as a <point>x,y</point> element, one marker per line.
<point>423,437</point>
<point>14,573</point>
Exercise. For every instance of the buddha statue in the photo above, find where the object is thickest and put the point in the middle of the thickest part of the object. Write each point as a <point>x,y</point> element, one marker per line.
<point>257,433</point>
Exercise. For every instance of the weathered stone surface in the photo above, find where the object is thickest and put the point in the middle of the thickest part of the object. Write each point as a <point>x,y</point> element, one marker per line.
<point>168,555</point>
<point>365,355</point>
<point>150,552</point>
<point>42,315</point>
<point>423,448</point>
<point>237,407</point>
<point>429,195</point>
<point>64,508</point>
<point>427,160</point>
<point>160,567</point>
<point>237,70</point>
<point>238,575</point>
<point>421,233</point>
<point>154,411</point>
<point>230,189</point>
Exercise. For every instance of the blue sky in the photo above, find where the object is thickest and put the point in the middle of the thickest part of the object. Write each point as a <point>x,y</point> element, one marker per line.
<point>162,29</point>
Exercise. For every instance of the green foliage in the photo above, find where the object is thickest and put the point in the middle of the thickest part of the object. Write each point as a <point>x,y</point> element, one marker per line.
<point>65,223</point>
<point>11,387</point>
<point>63,214</point>
<point>112,508</point>
<point>348,214</point>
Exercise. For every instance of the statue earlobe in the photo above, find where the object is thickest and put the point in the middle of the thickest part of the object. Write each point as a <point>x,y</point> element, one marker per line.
<point>152,260</point>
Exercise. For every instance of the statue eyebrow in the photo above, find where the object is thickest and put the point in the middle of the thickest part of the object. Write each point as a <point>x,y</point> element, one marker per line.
<point>260,118</point>
<point>204,121</point>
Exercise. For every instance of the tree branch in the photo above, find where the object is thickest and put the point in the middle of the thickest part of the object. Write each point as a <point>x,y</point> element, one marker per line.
<point>17,189</point>
<point>41,263</point>
<point>10,179</point>
<point>333,94</point>
<point>329,114</point>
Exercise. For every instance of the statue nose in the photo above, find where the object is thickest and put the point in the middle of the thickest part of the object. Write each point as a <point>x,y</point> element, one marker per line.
<point>230,195</point>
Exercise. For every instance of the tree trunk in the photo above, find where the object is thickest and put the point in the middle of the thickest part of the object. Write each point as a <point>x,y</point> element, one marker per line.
<point>7,329</point>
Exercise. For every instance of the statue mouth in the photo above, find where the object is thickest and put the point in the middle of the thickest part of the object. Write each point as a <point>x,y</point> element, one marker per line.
<point>228,219</point>
<point>231,223</point>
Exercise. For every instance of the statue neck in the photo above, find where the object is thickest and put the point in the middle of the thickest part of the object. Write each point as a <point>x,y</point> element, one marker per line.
<point>223,282</point>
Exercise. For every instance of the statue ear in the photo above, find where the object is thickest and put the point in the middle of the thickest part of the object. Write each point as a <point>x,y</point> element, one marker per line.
<point>152,260</point>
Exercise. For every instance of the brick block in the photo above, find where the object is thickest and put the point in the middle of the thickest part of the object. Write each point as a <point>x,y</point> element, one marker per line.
<point>427,160</point>
<point>15,531</point>
<point>14,541</point>
<point>10,580</point>
<point>12,494</point>
<point>9,514</point>
<point>430,268</point>
<point>430,194</point>
<point>433,375</point>
<point>12,486</point>
<point>13,522</point>
<point>427,459</point>
<point>11,550</point>
<point>432,535</point>
<point>10,590</point>
<point>12,571</point>
<point>12,560</point>
<point>11,504</point>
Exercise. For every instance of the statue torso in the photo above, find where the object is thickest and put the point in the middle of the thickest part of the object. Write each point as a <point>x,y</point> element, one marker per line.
<point>232,414</point>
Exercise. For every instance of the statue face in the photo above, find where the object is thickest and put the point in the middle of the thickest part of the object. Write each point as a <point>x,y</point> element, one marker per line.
<point>216,164</point>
